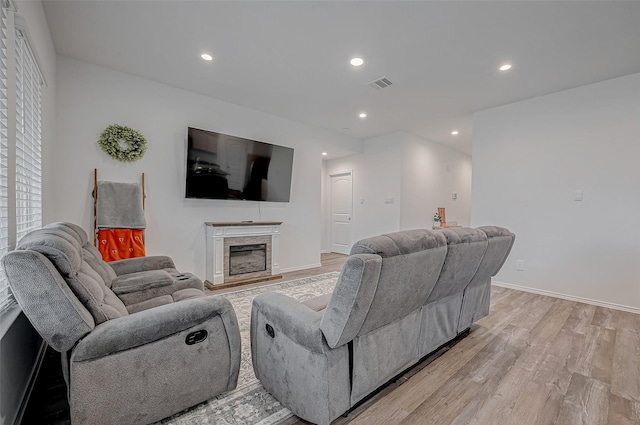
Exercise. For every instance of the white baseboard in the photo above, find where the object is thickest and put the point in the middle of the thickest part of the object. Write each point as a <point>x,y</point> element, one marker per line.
<point>568,297</point>
<point>324,251</point>
<point>298,268</point>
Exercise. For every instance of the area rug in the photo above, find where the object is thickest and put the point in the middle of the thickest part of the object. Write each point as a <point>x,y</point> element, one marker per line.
<point>250,403</point>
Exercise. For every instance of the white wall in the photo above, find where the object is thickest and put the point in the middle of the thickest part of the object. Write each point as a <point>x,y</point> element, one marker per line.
<point>431,172</point>
<point>417,174</point>
<point>376,175</point>
<point>530,157</point>
<point>92,97</point>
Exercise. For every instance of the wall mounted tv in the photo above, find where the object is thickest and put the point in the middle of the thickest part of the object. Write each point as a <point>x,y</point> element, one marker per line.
<point>220,166</point>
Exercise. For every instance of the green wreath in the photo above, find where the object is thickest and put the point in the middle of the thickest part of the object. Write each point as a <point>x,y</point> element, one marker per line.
<point>114,139</point>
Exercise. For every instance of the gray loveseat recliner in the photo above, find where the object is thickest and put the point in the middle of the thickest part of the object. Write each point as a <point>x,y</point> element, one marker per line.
<point>139,340</point>
<point>398,298</point>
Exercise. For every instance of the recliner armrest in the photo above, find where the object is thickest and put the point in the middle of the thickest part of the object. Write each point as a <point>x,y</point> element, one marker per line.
<point>142,264</point>
<point>135,330</point>
<point>297,321</point>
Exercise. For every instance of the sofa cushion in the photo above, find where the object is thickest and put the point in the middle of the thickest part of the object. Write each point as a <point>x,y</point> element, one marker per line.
<point>187,294</point>
<point>351,299</point>
<point>178,282</point>
<point>181,295</point>
<point>72,229</point>
<point>501,241</point>
<point>150,303</point>
<point>134,282</point>
<point>411,263</point>
<point>90,289</point>
<point>46,299</point>
<point>64,250</point>
<point>465,250</point>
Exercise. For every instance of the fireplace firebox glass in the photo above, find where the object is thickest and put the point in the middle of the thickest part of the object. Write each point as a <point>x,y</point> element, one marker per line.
<point>247,259</point>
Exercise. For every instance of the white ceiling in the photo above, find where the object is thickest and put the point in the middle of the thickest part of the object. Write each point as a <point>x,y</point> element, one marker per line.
<point>291,59</point>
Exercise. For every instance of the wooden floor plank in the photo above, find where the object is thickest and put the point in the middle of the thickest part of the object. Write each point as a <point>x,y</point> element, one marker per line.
<point>604,317</point>
<point>625,380</point>
<point>623,411</point>
<point>537,404</point>
<point>586,402</point>
<point>580,318</point>
<point>592,355</point>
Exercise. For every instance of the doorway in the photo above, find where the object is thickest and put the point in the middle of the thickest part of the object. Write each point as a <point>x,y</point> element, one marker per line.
<point>341,204</point>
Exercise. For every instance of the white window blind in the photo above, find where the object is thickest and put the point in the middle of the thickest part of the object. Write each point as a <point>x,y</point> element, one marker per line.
<point>6,299</point>
<point>28,139</point>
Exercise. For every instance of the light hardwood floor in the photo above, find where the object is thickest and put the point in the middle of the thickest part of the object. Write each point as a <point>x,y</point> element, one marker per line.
<point>533,360</point>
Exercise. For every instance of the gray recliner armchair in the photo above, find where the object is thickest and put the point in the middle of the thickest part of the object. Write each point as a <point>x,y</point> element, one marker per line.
<point>140,341</point>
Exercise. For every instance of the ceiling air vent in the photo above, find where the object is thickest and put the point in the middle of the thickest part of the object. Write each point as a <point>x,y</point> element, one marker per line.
<point>380,83</point>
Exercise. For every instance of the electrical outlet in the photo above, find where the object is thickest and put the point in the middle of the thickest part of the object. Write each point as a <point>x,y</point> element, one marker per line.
<point>454,195</point>
<point>388,200</point>
<point>520,265</point>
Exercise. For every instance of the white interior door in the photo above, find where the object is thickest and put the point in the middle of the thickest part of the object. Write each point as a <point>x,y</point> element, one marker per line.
<point>341,204</point>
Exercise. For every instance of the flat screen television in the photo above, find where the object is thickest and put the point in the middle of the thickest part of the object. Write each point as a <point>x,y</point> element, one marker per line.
<point>220,166</point>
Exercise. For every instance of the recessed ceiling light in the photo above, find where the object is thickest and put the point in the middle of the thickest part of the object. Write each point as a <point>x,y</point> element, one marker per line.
<point>206,56</point>
<point>505,67</point>
<point>362,115</point>
<point>356,61</point>
<point>324,154</point>
<point>454,132</point>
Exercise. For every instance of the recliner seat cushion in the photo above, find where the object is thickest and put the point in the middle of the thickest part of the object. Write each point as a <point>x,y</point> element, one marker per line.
<point>158,283</point>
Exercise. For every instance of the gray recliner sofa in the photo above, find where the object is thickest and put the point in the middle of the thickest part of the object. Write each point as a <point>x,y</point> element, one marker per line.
<point>399,297</point>
<point>140,341</point>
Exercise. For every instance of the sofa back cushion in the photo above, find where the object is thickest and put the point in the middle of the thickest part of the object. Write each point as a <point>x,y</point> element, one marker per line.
<point>46,299</point>
<point>411,264</point>
<point>351,299</point>
<point>465,250</point>
<point>500,241</point>
<point>90,253</point>
<point>65,252</point>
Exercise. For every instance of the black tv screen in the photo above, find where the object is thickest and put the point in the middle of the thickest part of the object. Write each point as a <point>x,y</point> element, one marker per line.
<point>220,166</point>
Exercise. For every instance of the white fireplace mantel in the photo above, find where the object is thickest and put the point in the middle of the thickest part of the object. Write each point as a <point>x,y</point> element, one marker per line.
<point>216,233</point>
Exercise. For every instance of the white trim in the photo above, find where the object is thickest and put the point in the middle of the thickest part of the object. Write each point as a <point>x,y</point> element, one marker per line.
<point>324,251</point>
<point>297,268</point>
<point>605,304</point>
<point>342,173</point>
<point>22,31</point>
